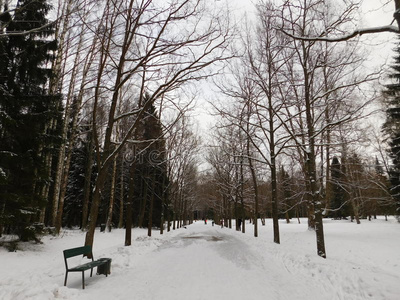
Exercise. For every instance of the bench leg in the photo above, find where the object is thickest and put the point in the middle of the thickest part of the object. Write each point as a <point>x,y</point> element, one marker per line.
<point>83,279</point>
<point>65,281</point>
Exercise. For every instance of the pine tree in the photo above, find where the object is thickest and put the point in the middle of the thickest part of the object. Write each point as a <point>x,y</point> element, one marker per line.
<point>337,201</point>
<point>27,109</point>
<point>77,179</point>
<point>286,200</point>
<point>151,173</point>
<point>392,125</point>
<point>4,20</point>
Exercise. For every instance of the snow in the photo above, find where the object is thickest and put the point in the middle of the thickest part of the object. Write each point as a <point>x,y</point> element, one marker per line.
<point>2,173</point>
<point>204,261</point>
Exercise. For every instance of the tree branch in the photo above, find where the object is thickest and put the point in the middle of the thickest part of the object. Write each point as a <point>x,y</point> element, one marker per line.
<point>357,32</point>
<point>16,33</point>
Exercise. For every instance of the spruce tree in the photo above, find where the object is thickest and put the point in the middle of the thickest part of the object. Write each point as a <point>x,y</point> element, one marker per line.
<point>151,173</point>
<point>75,194</point>
<point>392,125</point>
<point>285,192</point>
<point>27,110</point>
<point>4,20</point>
<point>337,201</point>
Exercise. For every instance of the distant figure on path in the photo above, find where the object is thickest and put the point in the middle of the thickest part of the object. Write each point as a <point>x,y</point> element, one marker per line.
<point>240,224</point>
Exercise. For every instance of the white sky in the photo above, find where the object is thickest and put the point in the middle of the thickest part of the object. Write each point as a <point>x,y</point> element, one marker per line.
<point>376,13</point>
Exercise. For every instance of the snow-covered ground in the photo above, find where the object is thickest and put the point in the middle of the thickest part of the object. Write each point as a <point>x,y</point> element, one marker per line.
<point>209,262</point>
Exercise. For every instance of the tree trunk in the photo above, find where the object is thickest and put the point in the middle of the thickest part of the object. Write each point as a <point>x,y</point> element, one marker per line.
<point>230,215</point>
<point>121,199</point>
<point>67,164</point>
<point>56,85</point>
<point>397,15</point>
<point>112,195</point>
<point>356,210</point>
<point>150,223</point>
<point>316,200</point>
<point>311,170</point>
<point>60,206</point>
<point>255,187</point>
<point>174,213</point>
<point>185,213</point>
<point>274,192</point>
<point>88,184</point>
<point>145,189</point>
<point>129,205</point>
<point>274,188</point>
<point>94,211</point>
<point>224,214</point>
<point>162,206</point>
<point>59,171</point>
<point>168,221</point>
<point>242,208</point>
<point>46,186</point>
<point>174,221</point>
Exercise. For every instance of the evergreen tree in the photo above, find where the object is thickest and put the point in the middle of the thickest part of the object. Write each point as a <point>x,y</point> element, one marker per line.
<point>27,109</point>
<point>151,173</point>
<point>337,200</point>
<point>4,19</point>
<point>392,125</point>
<point>286,200</point>
<point>75,194</point>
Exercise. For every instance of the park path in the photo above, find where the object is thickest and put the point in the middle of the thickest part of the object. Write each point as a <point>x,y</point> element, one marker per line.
<point>208,262</point>
<point>201,262</point>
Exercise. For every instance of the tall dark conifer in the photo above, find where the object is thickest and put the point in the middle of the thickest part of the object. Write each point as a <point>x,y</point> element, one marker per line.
<point>151,173</point>
<point>337,201</point>
<point>285,193</point>
<point>27,110</point>
<point>77,181</point>
<point>4,20</point>
<point>392,125</point>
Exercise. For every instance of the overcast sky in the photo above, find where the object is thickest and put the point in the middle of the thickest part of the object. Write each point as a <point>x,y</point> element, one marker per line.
<point>375,13</point>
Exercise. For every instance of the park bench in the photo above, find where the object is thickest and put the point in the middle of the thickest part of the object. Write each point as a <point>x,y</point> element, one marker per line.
<point>103,264</point>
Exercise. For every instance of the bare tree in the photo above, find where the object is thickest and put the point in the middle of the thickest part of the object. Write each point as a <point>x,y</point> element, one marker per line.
<point>183,148</point>
<point>315,82</point>
<point>72,69</point>
<point>255,85</point>
<point>140,45</point>
<point>230,162</point>
<point>341,36</point>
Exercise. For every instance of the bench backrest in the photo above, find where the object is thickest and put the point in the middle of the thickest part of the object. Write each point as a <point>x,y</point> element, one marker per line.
<point>85,250</point>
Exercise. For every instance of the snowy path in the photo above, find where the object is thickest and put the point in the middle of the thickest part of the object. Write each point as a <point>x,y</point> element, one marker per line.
<point>204,261</point>
<point>207,262</point>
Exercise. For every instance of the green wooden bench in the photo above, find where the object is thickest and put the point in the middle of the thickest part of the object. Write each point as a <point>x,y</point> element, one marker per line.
<point>86,251</point>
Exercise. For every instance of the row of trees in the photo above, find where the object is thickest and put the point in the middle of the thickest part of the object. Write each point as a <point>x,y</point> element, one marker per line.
<point>297,105</point>
<point>357,189</point>
<point>93,111</point>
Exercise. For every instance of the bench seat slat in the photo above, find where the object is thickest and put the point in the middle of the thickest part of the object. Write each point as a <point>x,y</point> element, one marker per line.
<point>86,266</point>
